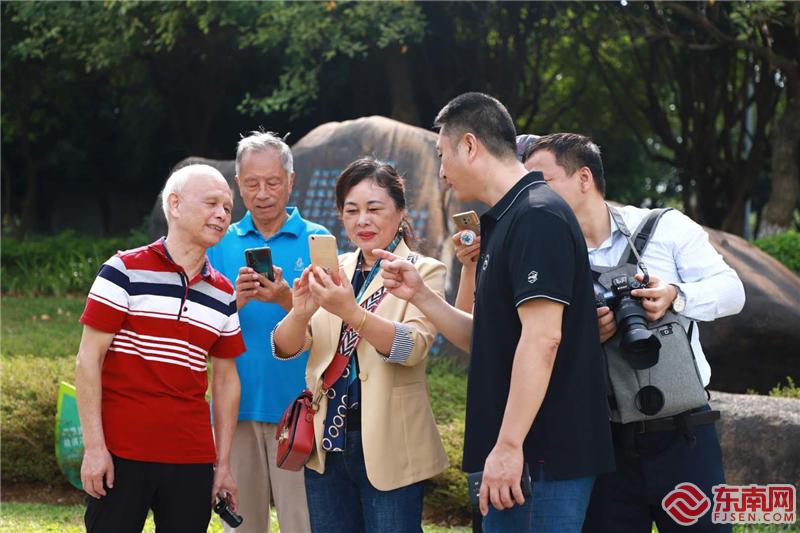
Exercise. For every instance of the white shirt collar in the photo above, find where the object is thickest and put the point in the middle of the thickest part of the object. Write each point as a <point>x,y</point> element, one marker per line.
<point>608,242</point>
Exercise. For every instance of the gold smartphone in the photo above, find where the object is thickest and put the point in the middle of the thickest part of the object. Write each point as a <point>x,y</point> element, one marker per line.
<point>323,252</point>
<point>468,220</point>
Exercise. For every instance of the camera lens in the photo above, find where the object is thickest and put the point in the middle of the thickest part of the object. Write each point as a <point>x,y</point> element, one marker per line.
<point>638,342</point>
<point>649,400</point>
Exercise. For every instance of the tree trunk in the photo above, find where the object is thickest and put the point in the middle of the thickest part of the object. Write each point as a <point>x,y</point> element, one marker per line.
<point>30,204</point>
<point>401,89</point>
<point>778,213</point>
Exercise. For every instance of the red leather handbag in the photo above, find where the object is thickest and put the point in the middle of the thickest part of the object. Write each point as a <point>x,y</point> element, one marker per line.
<point>295,431</point>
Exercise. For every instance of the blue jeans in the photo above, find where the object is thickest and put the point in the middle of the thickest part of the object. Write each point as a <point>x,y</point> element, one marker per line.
<point>649,466</point>
<point>343,500</point>
<point>557,506</point>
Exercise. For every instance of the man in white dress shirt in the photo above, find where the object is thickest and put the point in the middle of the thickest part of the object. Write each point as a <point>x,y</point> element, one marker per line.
<point>688,277</point>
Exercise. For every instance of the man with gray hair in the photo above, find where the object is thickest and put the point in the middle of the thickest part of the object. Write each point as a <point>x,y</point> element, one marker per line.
<point>153,317</point>
<point>265,176</point>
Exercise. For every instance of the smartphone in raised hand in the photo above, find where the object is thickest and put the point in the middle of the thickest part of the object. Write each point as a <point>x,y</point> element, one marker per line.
<point>324,253</point>
<point>260,260</point>
<point>468,220</point>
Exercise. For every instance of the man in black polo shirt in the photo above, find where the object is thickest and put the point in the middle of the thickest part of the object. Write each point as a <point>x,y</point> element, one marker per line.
<point>536,391</point>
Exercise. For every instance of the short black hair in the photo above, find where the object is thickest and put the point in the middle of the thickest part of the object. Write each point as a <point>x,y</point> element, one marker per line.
<point>483,116</point>
<point>572,151</point>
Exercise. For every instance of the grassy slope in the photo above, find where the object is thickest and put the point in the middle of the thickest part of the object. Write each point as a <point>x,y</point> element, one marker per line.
<point>44,326</point>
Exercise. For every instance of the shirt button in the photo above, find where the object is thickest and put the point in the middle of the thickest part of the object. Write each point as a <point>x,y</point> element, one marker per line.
<point>363,376</point>
<point>185,308</point>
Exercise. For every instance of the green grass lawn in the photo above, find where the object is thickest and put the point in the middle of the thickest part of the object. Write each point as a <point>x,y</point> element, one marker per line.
<point>42,326</point>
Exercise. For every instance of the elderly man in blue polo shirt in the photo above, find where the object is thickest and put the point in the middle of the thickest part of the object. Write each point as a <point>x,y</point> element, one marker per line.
<point>265,175</point>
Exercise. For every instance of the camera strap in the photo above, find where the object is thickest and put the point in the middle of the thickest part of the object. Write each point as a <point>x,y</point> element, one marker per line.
<point>637,243</point>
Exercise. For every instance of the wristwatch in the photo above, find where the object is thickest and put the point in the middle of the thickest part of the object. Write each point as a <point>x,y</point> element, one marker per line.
<point>679,303</point>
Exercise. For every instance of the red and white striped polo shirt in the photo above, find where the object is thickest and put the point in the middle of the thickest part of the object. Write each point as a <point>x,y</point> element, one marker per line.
<point>155,374</point>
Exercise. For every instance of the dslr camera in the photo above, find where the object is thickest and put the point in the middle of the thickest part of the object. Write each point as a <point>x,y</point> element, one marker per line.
<point>638,343</point>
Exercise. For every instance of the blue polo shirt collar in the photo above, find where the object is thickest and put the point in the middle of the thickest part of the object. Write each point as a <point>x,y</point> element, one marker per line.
<point>293,226</point>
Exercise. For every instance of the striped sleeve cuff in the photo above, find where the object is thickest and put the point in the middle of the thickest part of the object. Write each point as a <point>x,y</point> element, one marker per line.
<point>306,345</point>
<point>402,344</point>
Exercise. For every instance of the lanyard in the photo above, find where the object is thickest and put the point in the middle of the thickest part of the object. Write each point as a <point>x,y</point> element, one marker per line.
<point>372,273</point>
<point>375,268</point>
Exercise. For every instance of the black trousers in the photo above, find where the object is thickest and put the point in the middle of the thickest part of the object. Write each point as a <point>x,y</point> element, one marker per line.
<point>178,494</point>
<point>649,466</point>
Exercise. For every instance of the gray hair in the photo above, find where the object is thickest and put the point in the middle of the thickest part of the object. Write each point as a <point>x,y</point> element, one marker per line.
<point>178,179</point>
<point>260,141</point>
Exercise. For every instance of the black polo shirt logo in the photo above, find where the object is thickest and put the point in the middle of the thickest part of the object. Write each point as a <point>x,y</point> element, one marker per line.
<point>533,276</point>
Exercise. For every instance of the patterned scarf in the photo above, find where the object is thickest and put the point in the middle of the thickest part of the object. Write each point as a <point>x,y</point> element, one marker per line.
<point>345,394</point>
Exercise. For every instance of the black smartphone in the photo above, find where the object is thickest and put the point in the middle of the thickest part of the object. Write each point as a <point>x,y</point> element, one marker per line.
<point>260,260</point>
<point>474,485</point>
<point>223,509</point>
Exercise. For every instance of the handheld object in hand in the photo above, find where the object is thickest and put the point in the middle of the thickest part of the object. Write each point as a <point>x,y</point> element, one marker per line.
<point>260,260</point>
<point>468,220</point>
<point>467,237</point>
<point>475,479</point>
<point>223,509</point>
<point>322,249</point>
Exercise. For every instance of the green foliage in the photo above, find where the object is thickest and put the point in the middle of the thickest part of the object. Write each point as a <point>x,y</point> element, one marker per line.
<point>448,388</point>
<point>47,327</point>
<point>27,413</point>
<point>64,264</point>
<point>784,247</point>
<point>446,499</point>
<point>311,35</point>
<point>790,390</point>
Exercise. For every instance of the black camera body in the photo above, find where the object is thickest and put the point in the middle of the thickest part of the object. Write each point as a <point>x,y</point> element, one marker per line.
<point>637,341</point>
<point>223,509</point>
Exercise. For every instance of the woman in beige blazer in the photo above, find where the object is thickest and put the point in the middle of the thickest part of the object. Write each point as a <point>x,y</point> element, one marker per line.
<point>376,439</point>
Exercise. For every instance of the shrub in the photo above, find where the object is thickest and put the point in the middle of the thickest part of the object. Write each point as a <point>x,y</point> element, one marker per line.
<point>66,263</point>
<point>27,414</point>
<point>784,247</point>
<point>447,500</point>
<point>790,390</point>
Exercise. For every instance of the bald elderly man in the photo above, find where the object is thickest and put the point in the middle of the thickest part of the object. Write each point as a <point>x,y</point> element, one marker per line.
<point>153,317</point>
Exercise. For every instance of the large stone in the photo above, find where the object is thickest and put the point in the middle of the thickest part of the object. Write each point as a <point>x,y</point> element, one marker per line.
<point>760,346</point>
<point>760,438</point>
<point>755,349</point>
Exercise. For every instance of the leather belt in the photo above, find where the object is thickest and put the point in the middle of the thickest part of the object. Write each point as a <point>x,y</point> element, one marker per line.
<point>670,423</point>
